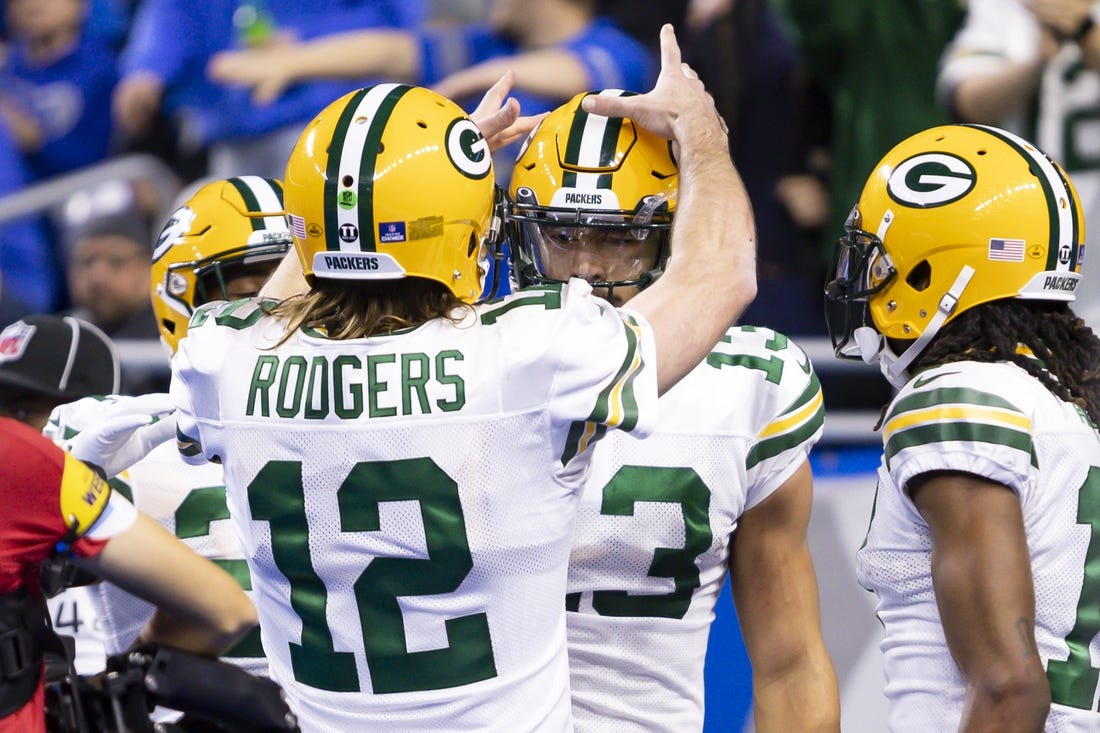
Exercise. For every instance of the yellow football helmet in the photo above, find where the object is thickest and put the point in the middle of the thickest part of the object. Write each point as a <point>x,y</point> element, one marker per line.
<point>952,217</point>
<point>227,228</point>
<point>393,181</point>
<point>579,174</point>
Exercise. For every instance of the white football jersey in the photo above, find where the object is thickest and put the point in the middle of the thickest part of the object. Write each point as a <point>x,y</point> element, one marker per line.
<point>407,501</point>
<point>1063,119</point>
<point>188,501</point>
<point>997,422</point>
<point>652,544</point>
<point>73,613</point>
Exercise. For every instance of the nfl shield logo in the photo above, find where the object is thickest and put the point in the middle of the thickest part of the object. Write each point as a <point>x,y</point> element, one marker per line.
<point>391,231</point>
<point>14,340</point>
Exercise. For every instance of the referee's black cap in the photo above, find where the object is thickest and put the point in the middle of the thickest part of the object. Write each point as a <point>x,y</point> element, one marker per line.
<point>58,357</point>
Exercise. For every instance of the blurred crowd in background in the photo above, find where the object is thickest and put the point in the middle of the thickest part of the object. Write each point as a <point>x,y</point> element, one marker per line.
<point>814,92</point>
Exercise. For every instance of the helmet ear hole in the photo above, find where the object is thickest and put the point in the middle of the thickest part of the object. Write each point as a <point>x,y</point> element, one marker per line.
<point>920,277</point>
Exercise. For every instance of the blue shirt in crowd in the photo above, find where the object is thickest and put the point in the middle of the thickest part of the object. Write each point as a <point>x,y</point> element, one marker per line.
<point>175,39</point>
<point>71,100</point>
<point>29,278</point>
<point>613,59</point>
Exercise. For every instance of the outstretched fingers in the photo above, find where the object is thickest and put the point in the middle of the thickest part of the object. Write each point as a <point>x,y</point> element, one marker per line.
<point>677,93</point>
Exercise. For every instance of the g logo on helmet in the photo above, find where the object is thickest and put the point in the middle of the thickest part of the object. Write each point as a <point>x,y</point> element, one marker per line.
<point>173,231</point>
<point>928,180</point>
<point>468,149</point>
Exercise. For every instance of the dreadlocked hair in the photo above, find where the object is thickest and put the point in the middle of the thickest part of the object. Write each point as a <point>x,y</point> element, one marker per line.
<point>1067,350</point>
<point>358,309</point>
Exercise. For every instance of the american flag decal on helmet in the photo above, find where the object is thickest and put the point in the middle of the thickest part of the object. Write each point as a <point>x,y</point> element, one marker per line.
<point>1007,250</point>
<point>297,225</point>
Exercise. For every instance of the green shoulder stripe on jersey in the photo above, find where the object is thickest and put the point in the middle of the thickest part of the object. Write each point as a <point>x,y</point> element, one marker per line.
<point>187,445</point>
<point>794,426</point>
<point>948,396</point>
<point>813,388</point>
<point>616,405</point>
<point>958,431</point>
<point>581,435</point>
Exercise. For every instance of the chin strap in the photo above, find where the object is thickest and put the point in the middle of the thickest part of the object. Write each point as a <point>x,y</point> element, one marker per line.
<point>894,367</point>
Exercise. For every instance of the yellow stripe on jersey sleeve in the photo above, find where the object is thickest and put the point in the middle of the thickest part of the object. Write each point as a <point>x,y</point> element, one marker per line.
<point>967,413</point>
<point>955,415</point>
<point>790,422</point>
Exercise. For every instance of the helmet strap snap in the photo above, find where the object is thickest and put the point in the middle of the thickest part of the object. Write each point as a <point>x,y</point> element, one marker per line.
<point>894,368</point>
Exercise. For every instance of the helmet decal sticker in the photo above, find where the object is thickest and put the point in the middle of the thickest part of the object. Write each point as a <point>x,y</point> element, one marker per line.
<point>468,149</point>
<point>297,225</point>
<point>174,229</point>
<point>349,233</point>
<point>391,231</point>
<point>1006,250</point>
<point>930,179</point>
<point>426,227</point>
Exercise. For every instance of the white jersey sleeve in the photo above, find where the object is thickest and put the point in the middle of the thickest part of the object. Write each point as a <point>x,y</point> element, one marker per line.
<point>652,543</point>
<point>998,422</point>
<point>943,421</point>
<point>407,500</point>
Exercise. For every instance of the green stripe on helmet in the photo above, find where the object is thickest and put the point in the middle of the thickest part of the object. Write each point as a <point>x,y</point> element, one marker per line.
<point>251,203</point>
<point>369,163</point>
<point>610,141</point>
<point>1039,162</point>
<point>572,153</point>
<point>332,170</point>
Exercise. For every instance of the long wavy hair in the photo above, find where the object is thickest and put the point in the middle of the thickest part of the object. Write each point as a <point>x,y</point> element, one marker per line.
<point>1067,350</point>
<point>344,309</point>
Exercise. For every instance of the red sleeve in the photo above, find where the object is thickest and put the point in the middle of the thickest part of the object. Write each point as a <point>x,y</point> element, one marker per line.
<point>31,523</point>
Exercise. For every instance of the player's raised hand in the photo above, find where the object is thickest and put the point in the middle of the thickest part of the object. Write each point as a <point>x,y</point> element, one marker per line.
<point>678,107</point>
<point>498,115</point>
<point>129,429</point>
